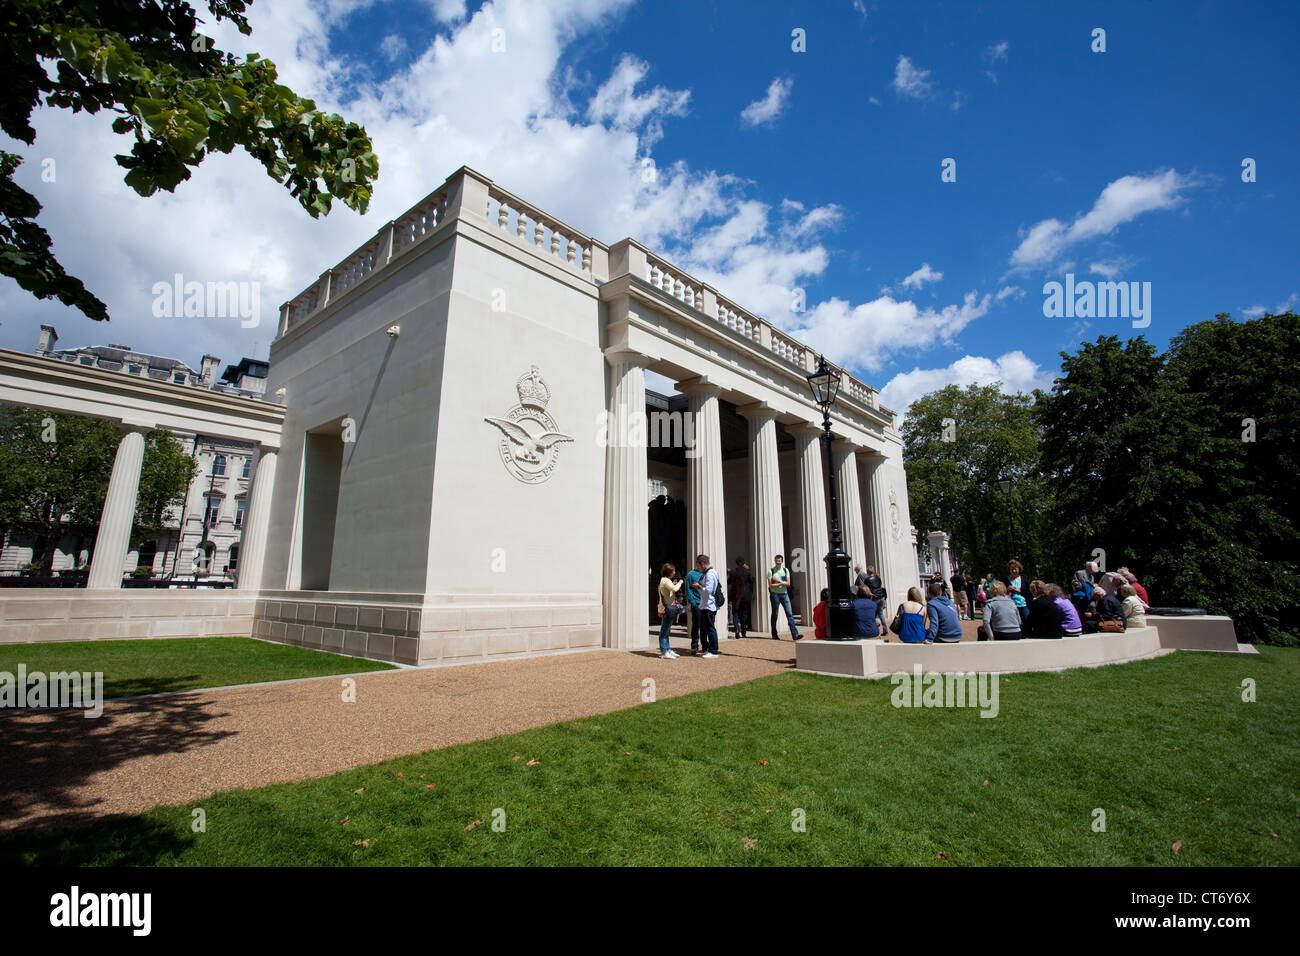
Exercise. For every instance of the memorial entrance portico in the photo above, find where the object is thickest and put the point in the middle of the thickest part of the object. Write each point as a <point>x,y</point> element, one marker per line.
<point>469,447</point>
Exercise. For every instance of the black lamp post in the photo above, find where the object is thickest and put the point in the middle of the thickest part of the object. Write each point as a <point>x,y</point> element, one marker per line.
<point>839,609</point>
<point>1005,485</point>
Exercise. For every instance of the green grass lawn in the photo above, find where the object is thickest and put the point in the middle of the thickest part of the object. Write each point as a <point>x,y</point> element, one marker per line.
<point>154,666</point>
<point>1167,748</point>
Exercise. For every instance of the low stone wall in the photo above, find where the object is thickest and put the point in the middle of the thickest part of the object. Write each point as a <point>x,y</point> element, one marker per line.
<point>876,658</point>
<point>31,615</point>
<point>1196,632</point>
<point>401,628</point>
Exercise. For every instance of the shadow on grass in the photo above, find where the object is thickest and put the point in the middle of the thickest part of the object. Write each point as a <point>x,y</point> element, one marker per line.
<point>50,755</point>
<point>118,841</point>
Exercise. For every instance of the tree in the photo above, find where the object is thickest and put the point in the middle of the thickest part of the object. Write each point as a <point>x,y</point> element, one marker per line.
<point>1100,424</point>
<point>177,95</point>
<point>1224,475</point>
<point>54,472</point>
<point>165,477</point>
<point>957,443</point>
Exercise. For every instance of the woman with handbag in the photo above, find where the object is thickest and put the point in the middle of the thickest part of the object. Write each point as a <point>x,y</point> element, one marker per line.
<point>912,622</point>
<point>669,609</point>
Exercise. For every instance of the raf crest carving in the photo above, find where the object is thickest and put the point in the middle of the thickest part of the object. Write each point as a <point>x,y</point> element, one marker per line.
<point>530,440</point>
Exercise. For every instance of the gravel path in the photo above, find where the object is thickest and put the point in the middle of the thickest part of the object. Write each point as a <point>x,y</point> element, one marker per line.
<point>59,768</point>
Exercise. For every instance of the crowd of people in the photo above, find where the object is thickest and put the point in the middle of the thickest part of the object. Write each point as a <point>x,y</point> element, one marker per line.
<point>1108,602</point>
<point>696,598</point>
<point>1009,608</point>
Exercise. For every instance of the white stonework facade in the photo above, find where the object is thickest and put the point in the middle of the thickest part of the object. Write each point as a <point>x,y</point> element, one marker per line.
<point>464,470</point>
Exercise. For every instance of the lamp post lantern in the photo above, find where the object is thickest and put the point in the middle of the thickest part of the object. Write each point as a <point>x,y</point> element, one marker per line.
<point>839,609</point>
<point>1005,484</point>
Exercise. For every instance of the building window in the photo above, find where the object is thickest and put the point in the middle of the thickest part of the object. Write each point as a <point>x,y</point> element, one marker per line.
<point>178,378</point>
<point>133,370</point>
<point>214,509</point>
<point>233,560</point>
<point>219,466</point>
<point>248,467</point>
<point>87,360</point>
<point>240,506</point>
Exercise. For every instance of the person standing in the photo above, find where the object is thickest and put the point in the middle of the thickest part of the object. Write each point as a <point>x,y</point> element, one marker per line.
<point>709,586</point>
<point>1015,589</point>
<point>668,609</point>
<point>778,589</point>
<point>860,578</point>
<point>959,594</point>
<point>693,578</point>
<point>740,592</point>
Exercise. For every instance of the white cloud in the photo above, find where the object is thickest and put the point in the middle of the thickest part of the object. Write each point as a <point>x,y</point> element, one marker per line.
<point>617,102</point>
<point>870,334</point>
<point>910,81</point>
<point>449,11</point>
<point>1255,311</point>
<point>1014,371</point>
<point>1009,292</point>
<point>1120,202</point>
<point>861,7</point>
<point>921,276</point>
<point>393,46</point>
<point>767,109</point>
<point>1110,268</point>
<point>997,51</point>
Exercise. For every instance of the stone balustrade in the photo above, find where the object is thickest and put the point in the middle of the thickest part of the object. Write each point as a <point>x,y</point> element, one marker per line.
<point>463,195</point>
<point>677,284</point>
<point>533,227</point>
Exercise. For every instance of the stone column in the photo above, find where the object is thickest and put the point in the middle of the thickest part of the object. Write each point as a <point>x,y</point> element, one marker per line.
<point>939,553</point>
<point>706,520</point>
<point>812,507</point>
<point>257,521</point>
<point>765,496</point>
<point>115,521</point>
<point>627,543</point>
<point>846,476</point>
<point>882,543</point>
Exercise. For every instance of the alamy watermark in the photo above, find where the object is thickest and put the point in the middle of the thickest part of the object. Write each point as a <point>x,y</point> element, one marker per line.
<point>78,689</point>
<point>1101,300</point>
<point>660,429</point>
<point>946,690</point>
<point>208,300</point>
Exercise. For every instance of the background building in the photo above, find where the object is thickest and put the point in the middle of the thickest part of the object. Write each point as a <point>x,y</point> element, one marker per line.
<point>202,536</point>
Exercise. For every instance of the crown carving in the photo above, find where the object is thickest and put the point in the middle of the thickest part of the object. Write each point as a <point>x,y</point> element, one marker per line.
<point>532,390</point>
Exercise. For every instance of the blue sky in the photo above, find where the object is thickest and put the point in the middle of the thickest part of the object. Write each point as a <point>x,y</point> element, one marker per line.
<point>775,170</point>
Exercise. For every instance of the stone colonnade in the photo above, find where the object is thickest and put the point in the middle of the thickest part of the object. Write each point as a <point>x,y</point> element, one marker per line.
<point>626,477</point>
<point>112,541</point>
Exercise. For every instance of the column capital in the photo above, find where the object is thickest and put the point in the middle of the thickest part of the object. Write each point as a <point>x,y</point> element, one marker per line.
<point>757,411</point>
<point>621,356</point>
<point>700,384</point>
<point>806,428</point>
